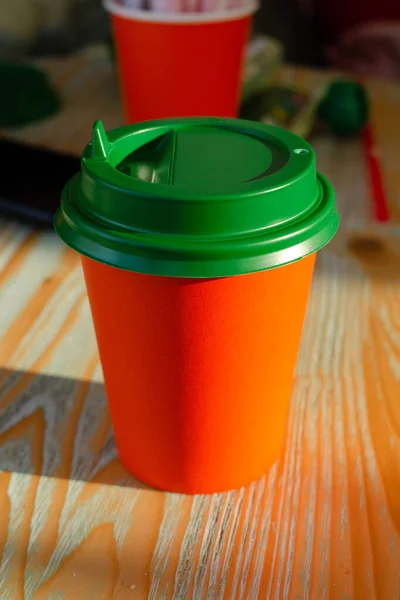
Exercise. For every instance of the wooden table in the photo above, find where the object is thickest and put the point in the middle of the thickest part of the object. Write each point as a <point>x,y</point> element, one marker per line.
<point>324,523</point>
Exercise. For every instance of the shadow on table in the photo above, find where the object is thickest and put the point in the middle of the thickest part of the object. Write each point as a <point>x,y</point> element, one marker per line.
<point>374,250</point>
<point>58,427</point>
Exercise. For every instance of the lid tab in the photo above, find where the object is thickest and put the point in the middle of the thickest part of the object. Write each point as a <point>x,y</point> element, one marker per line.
<point>100,143</point>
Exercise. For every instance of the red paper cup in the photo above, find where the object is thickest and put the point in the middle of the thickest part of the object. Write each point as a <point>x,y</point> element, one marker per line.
<point>177,65</point>
<point>198,239</point>
<point>198,372</point>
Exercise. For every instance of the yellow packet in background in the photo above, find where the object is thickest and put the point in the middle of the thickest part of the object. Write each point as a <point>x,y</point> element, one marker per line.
<point>291,108</point>
<point>263,57</point>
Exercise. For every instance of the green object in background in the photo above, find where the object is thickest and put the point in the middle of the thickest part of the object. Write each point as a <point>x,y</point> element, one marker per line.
<point>26,95</point>
<point>344,108</point>
<point>197,198</point>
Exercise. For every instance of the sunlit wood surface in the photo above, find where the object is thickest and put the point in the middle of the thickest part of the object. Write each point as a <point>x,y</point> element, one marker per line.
<point>324,523</point>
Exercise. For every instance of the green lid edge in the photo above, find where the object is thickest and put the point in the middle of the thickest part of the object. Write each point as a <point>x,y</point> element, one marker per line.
<point>260,252</point>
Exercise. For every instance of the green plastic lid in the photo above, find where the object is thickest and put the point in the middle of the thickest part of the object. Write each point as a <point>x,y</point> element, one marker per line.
<point>26,95</point>
<point>197,197</point>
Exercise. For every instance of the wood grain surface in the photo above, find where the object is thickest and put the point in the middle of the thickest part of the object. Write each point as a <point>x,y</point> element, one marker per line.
<point>324,523</point>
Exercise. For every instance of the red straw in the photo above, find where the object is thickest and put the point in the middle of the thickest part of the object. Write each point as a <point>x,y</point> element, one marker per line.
<point>381,210</point>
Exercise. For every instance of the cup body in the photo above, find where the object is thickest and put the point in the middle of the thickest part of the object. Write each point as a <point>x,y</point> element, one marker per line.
<point>177,65</point>
<point>198,372</point>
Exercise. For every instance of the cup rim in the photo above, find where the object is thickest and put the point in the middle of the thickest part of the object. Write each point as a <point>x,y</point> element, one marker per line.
<point>135,14</point>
